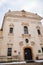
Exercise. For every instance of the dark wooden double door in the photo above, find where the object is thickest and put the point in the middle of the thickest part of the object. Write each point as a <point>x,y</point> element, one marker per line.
<point>27,54</point>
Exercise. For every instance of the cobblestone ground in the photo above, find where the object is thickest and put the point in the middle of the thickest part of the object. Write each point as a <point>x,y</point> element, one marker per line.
<point>25,64</point>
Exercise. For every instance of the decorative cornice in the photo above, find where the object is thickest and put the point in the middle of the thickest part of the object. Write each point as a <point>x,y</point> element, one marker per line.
<point>24,16</point>
<point>21,14</point>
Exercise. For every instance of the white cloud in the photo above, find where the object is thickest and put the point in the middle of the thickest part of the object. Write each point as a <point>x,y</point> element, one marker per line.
<point>22,4</point>
<point>2,2</point>
<point>28,5</point>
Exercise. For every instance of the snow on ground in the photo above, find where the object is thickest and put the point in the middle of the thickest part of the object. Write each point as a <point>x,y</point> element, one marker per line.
<point>14,63</point>
<point>37,61</point>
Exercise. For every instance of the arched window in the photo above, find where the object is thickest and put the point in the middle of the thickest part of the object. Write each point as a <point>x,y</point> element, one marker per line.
<point>25,30</point>
<point>11,30</point>
<point>38,31</point>
<point>26,40</point>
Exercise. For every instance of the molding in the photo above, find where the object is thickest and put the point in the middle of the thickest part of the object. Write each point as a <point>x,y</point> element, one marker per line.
<point>31,50</point>
<point>38,27</point>
<point>32,43</point>
<point>21,43</point>
<point>11,25</point>
<point>26,35</point>
<point>22,16</point>
<point>9,44</point>
<point>25,24</point>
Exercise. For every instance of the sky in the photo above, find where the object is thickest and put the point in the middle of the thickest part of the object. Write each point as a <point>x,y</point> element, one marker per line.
<point>34,6</point>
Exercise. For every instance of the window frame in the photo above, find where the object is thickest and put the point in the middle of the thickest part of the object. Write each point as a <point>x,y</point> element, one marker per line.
<point>11,29</point>
<point>26,40</point>
<point>9,52</point>
<point>25,30</point>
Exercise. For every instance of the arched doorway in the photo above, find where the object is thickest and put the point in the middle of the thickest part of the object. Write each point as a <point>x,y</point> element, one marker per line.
<point>27,54</point>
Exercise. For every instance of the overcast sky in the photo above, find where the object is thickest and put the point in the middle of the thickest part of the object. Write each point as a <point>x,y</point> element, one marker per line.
<point>35,6</point>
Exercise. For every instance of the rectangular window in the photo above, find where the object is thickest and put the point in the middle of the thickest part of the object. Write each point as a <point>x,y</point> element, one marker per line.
<point>9,51</point>
<point>11,30</point>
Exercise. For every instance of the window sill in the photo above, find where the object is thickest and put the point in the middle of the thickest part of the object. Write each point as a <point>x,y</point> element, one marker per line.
<point>26,35</point>
<point>40,35</point>
<point>11,34</point>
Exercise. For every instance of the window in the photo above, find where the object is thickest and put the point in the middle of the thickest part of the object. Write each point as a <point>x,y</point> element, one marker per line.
<point>38,31</point>
<point>39,51</point>
<point>42,49</point>
<point>26,40</point>
<point>11,30</point>
<point>25,30</point>
<point>9,51</point>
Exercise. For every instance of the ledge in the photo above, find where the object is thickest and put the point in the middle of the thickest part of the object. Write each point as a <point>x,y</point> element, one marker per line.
<point>26,35</point>
<point>10,34</point>
<point>40,35</point>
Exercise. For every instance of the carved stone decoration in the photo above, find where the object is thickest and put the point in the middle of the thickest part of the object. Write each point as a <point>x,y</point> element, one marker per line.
<point>38,27</point>
<point>32,43</point>
<point>15,51</point>
<point>25,24</point>
<point>9,45</point>
<point>23,11</point>
<point>11,25</point>
<point>26,35</point>
<point>21,43</point>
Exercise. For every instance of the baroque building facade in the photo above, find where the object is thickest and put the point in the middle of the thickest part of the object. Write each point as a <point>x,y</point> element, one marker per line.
<point>21,36</point>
